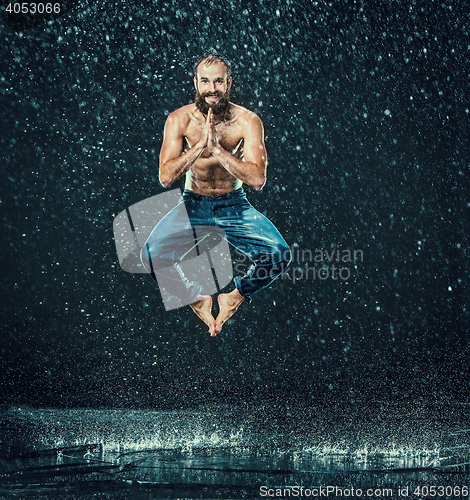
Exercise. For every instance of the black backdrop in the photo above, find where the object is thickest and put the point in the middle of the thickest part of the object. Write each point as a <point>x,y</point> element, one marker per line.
<point>365,106</point>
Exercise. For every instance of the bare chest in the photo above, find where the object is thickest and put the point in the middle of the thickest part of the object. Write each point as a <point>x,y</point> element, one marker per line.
<point>229,135</point>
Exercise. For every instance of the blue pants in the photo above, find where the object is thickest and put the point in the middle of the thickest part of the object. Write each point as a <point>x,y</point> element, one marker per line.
<point>249,231</point>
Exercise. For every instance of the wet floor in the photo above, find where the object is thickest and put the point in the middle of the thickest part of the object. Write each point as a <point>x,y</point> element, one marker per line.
<point>259,451</point>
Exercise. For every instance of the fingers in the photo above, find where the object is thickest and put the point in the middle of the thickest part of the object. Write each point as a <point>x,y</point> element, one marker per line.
<point>210,129</point>
<point>209,133</point>
<point>210,120</point>
<point>205,136</point>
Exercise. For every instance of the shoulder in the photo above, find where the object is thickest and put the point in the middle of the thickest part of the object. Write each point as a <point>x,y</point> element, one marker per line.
<point>249,122</point>
<point>241,113</point>
<point>245,117</point>
<point>179,121</point>
<point>181,115</point>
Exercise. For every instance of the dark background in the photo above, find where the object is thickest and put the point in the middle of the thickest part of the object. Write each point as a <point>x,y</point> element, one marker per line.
<point>366,112</point>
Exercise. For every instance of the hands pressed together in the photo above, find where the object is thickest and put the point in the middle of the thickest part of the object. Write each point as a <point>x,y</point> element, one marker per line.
<point>209,137</point>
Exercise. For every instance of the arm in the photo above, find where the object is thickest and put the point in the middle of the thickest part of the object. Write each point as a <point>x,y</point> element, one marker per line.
<point>173,164</point>
<point>252,170</point>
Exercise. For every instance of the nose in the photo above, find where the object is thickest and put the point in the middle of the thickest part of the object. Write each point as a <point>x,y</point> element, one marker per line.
<point>212,86</point>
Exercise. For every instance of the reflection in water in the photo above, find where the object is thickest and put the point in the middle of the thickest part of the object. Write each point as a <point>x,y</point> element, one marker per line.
<point>222,452</point>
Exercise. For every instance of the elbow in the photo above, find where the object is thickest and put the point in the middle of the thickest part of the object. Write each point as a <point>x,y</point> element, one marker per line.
<point>164,176</point>
<point>259,183</point>
<point>164,181</point>
<point>259,179</point>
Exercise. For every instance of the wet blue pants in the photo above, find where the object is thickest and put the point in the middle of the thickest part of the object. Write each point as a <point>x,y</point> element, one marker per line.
<point>249,231</point>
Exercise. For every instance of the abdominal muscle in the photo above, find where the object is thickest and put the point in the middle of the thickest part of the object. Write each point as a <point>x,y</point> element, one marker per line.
<point>209,178</point>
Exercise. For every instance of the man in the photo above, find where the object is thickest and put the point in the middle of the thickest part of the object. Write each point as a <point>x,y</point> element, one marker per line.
<point>218,146</point>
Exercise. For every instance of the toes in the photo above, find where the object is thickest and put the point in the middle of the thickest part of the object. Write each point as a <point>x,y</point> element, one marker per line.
<point>213,330</point>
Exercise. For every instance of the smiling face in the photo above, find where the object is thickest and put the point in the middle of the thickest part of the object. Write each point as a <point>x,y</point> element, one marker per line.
<point>212,87</point>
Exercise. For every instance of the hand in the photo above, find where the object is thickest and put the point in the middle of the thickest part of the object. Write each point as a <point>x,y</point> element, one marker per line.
<point>212,139</point>
<point>209,138</point>
<point>204,139</point>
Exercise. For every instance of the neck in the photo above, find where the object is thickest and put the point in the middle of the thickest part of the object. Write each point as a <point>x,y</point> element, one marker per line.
<point>217,118</point>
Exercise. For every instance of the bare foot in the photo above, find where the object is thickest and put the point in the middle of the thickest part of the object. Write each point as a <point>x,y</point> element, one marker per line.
<point>203,308</point>
<point>228,304</point>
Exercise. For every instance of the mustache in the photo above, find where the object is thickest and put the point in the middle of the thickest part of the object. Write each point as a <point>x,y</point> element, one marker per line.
<point>217,93</point>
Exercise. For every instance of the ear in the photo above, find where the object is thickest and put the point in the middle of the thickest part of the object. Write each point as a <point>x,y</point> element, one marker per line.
<point>195,83</point>
<point>229,83</point>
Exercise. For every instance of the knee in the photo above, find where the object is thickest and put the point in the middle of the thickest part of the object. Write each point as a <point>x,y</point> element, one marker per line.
<point>287,255</point>
<point>150,252</point>
<point>155,254</point>
<point>145,255</point>
<point>283,254</point>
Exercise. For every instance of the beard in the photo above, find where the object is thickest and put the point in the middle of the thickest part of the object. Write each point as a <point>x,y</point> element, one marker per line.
<point>218,108</point>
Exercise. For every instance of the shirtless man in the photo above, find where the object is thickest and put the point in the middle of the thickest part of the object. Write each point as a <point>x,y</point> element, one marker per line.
<point>220,146</point>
